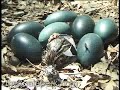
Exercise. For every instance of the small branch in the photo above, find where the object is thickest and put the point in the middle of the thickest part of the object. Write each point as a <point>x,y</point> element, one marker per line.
<point>8,70</point>
<point>33,65</point>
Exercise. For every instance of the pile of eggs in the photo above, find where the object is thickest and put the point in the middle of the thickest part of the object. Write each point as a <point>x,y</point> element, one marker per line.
<point>27,39</point>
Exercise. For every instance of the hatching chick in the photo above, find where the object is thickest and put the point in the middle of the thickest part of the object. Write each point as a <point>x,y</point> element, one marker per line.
<point>60,50</point>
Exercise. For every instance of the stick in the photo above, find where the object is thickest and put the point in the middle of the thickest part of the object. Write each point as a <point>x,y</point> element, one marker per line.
<point>8,70</point>
<point>33,65</point>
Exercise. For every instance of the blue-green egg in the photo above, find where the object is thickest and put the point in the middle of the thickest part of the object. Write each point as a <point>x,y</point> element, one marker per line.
<point>106,29</point>
<point>57,27</point>
<point>90,49</point>
<point>82,25</point>
<point>60,16</point>
<point>31,27</point>
<point>24,45</point>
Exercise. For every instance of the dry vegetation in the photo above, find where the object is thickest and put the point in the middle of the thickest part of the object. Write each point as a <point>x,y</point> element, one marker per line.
<point>102,76</point>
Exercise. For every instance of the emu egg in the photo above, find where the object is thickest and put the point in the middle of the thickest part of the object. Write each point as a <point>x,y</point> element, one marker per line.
<point>31,27</point>
<point>26,46</point>
<point>106,29</point>
<point>60,16</point>
<point>57,27</point>
<point>90,49</point>
<point>82,25</point>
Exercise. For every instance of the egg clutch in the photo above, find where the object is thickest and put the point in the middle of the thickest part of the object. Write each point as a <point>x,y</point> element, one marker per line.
<point>27,39</point>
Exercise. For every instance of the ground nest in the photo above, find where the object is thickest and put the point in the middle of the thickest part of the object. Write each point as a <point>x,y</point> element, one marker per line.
<point>102,76</point>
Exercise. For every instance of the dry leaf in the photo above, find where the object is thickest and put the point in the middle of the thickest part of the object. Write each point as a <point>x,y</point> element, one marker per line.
<point>31,83</point>
<point>13,68</point>
<point>110,85</point>
<point>16,78</point>
<point>100,68</point>
<point>104,59</point>
<point>4,50</point>
<point>103,81</point>
<point>72,66</point>
<point>74,89</point>
<point>113,75</point>
<point>85,81</point>
<point>113,49</point>
<point>5,88</point>
<point>109,55</point>
<point>4,58</point>
<point>39,11</point>
<point>4,11</point>
<point>63,76</point>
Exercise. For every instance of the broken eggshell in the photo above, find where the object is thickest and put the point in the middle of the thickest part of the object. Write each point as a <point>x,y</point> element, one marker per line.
<point>55,44</point>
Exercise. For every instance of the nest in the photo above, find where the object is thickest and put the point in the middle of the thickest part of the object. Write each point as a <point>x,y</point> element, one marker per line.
<point>56,71</point>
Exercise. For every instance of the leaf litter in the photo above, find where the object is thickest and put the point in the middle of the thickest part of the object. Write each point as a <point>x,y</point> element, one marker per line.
<point>102,76</point>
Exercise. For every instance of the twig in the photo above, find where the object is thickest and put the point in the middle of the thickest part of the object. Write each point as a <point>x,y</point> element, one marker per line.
<point>8,70</point>
<point>33,65</point>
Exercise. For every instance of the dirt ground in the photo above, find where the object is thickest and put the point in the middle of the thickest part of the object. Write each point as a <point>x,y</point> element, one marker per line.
<point>102,76</point>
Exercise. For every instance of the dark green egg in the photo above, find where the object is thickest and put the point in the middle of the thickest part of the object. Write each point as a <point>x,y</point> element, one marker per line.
<point>106,29</point>
<point>31,27</point>
<point>90,49</point>
<point>57,27</point>
<point>82,25</point>
<point>60,16</point>
<point>26,46</point>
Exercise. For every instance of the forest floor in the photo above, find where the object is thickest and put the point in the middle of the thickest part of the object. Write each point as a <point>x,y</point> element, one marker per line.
<point>102,76</point>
